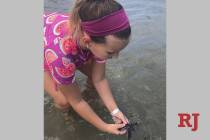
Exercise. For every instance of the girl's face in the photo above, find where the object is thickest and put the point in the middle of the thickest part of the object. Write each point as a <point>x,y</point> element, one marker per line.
<point>110,49</point>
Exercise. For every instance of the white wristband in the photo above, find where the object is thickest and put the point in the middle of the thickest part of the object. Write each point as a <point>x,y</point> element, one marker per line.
<point>115,111</point>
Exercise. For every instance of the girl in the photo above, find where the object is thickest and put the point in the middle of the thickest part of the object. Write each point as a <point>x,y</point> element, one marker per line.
<point>95,31</point>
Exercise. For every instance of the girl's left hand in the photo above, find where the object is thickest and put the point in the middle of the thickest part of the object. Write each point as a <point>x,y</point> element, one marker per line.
<point>119,117</point>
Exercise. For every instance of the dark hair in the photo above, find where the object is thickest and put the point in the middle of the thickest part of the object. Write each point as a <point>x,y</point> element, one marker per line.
<point>86,10</point>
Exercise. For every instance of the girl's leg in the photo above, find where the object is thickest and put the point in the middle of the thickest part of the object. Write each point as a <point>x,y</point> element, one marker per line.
<point>87,70</point>
<point>58,97</point>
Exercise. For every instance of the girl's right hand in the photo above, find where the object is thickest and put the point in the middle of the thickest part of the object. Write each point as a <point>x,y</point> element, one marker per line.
<point>114,129</point>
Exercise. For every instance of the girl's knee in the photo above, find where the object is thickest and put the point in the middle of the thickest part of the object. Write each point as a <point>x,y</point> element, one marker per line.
<point>61,100</point>
<point>61,104</point>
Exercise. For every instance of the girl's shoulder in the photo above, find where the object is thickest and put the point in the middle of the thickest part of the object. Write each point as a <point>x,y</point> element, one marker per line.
<point>57,23</point>
<point>51,16</point>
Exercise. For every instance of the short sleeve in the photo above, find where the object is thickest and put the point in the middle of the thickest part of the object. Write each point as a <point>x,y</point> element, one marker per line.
<point>63,75</point>
<point>62,69</point>
<point>58,54</point>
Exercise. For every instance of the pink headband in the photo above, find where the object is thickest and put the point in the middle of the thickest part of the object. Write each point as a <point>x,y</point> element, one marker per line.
<point>112,23</point>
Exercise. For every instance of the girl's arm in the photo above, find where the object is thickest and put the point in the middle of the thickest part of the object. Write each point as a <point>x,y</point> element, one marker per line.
<point>73,95</point>
<point>102,86</point>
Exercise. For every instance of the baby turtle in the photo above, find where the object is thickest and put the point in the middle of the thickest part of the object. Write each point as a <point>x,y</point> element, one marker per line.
<point>130,128</point>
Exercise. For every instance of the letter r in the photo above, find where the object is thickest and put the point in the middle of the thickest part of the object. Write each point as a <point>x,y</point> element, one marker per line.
<point>184,117</point>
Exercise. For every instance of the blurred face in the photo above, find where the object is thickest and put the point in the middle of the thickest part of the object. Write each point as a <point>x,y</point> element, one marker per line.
<point>110,49</point>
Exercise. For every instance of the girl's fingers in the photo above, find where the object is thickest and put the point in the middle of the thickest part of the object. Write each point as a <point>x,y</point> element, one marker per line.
<point>118,126</point>
<point>126,119</point>
<point>118,131</point>
<point>123,132</point>
<point>120,118</point>
<point>116,120</point>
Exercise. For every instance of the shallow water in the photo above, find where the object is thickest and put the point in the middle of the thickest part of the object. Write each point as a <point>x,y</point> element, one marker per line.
<point>137,79</point>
